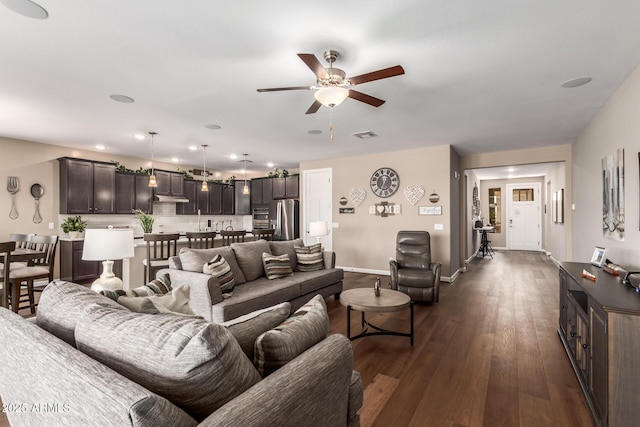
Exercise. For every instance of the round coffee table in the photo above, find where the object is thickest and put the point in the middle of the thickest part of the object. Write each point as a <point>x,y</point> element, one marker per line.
<point>365,301</point>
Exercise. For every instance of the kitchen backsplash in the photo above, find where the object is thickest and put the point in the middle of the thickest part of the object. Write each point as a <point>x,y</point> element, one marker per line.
<point>166,221</point>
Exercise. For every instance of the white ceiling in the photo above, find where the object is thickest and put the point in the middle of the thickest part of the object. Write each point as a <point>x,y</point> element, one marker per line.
<point>482,76</point>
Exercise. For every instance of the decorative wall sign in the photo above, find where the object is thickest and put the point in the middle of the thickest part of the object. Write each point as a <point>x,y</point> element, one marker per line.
<point>613,196</point>
<point>347,210</point>
<point>384,209</point>
<point>430,210</point>
<point>357,195</point>
<point>413,193</point>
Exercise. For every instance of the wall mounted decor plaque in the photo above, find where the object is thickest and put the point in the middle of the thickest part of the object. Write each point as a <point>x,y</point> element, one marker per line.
<point>414,193</point>
<point>357,196</point>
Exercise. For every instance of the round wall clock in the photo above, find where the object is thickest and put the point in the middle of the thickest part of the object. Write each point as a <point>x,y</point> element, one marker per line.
<point>385,182</point>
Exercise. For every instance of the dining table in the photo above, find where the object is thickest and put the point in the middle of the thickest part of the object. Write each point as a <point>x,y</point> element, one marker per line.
<point>19,255</point>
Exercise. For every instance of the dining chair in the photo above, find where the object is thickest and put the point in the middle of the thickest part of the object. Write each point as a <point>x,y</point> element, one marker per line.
<point>160,247</point>
<point>200,239</point>
<point>22,242</point>
<point>264,234</point>
<point>40,268</point>
<point>232,236</point>
<point>5,252</point>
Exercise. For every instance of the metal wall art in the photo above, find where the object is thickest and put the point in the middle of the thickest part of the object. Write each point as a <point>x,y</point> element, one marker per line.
<point>414,193</point>
<point>357,196</point>
<point>613,196</point>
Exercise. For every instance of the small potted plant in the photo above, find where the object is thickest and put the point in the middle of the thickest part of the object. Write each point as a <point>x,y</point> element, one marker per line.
<point>73,226</point>
<point>146,220</point>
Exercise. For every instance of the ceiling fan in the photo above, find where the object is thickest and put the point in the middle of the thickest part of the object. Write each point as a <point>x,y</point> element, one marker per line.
<point>333,85</point>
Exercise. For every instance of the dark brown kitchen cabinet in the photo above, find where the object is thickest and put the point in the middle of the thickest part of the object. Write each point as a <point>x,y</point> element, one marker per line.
<point>133,192</point>
<point>74,269</point>
<point>215,199</point>
<point>169,183</point>
<point>598,327</point>
<point>286,187</point>
<point>191,189</point>
<point>203,200</point>
<point>261,192</point>
<point>87,187</point>
<point>228,200</point>
<point>243,201</point>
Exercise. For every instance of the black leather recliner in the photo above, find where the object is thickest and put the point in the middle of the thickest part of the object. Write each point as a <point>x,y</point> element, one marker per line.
<point>412,272</point>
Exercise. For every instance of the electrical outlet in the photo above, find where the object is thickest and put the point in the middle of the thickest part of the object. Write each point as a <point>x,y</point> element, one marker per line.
<point>438,226</point>
<point>51,226</point>
<point>335,225</point>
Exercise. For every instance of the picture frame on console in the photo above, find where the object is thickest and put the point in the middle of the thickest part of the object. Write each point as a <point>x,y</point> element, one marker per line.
<point>598,257</point>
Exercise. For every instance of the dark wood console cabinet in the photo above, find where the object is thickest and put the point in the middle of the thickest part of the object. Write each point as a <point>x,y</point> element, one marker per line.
<point>599,326</point>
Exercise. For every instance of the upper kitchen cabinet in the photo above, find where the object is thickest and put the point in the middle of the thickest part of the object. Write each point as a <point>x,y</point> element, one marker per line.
<point>191,189</point>
<point>229,199</point>
<point>86,186</point>
<point>133,192</point>
<point>286,188</point>
<point>261,192</point>
<point>169,183</point>
<point>243,201</point>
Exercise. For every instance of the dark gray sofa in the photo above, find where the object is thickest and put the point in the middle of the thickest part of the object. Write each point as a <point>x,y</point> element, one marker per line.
<point>253,290</point>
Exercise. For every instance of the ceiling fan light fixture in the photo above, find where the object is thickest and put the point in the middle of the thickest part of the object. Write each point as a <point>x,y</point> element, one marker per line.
<point>331,96</point>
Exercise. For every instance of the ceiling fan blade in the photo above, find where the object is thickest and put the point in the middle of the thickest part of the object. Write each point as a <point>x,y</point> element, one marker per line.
<point>275,89</point>
<point>314,107</point>
<point>315,65</point>
<point>367,99</point>
<point>377,75</point>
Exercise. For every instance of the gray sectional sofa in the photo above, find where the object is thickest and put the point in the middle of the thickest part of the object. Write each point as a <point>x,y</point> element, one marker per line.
<point>88,361</point>
<point>253,290</point>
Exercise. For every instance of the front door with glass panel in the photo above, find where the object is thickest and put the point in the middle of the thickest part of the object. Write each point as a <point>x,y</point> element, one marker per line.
<point>523,222</point>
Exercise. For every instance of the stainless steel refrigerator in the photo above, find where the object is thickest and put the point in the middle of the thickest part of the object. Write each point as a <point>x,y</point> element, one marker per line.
<point>287,222</point>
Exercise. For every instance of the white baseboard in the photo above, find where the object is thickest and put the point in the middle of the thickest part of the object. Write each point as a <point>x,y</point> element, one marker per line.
<point>555,261</point>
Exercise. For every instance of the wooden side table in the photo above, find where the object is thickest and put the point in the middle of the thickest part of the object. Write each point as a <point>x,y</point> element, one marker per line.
<point>365,301</point>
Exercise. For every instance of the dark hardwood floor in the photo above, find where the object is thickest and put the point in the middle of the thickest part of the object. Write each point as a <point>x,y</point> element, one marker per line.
<point>487,354</point>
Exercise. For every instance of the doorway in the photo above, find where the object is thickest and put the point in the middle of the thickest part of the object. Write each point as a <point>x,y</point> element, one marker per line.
<point>316,203</point>
<point>524,217</point>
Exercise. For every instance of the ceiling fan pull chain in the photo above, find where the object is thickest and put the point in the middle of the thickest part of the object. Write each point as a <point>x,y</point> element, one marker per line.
<point>331,122</point>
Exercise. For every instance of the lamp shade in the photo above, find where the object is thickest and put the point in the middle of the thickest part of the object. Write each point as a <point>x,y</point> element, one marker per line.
<point>318,228</point>
<point>331,96</point>
<point>102,244</point>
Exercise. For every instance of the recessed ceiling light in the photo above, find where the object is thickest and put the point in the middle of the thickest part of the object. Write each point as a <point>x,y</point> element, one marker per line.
<point>233,156</point>
<point>314,132</point>
<point>193,148</point>
<point>213,127</point>
<point>175,159</point>
<point>576,82</point>
<point>139,136</point>
<point>26,8</point>
<point>270,164</point>
<point>122,98</point>
<point>100,147</point>
<point>217,174</point>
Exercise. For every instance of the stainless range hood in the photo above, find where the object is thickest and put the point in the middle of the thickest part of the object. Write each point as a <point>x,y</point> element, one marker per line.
<point>170,199</point>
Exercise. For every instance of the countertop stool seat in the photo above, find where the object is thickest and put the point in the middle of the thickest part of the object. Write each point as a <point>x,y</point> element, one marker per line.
<point>232,236</point>
<point>160,247</point>
<point>201,239</point>
<point>264,234</point>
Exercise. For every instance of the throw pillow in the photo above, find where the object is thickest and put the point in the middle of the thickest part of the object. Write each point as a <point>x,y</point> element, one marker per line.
<point>276,266</point>
<point>249,256</point>
<point>158,286</point>
<point>176,301</point>
<point>195,364</point>
<point>194,259</point>
<point>302,330</point>
<point>286,247</point>
<point>219,268</point>
<point>245,329</point>
<point>310,258</point>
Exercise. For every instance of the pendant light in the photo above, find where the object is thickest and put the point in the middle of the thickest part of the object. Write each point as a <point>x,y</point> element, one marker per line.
<point>245,188</point>
<point>152,177</point>
<point>204,187</point>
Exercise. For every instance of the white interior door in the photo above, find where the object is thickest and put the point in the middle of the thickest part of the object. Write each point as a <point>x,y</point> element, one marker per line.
<point>316,203</point>
<point>524,217</point>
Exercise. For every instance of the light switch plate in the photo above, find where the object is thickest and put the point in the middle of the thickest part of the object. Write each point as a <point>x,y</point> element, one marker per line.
<point>51,226</point>
<point>335,225</point>
<point>438,226</point>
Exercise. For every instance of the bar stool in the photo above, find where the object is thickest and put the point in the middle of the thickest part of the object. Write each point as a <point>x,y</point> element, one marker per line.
<point>232,236</point>
<point>22,242</point>
<point>264,233</point>
<point>42,268</point>
<point>159,248</point>
<point>201,239</point>
<point>5,251</point>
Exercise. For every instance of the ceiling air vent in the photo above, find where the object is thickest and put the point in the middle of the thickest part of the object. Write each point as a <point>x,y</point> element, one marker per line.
<point>365,134</point>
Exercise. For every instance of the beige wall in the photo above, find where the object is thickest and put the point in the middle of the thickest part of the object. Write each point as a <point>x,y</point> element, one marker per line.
<point>366,242</point>
<point>615,126</point>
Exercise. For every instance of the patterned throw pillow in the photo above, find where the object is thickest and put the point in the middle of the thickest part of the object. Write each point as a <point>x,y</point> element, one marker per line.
<point>276,266</point>
<point>219,268</point>
<point>176,301</point>
<point>306,327</point>
<point>310,258</point>
<point>159,286</point>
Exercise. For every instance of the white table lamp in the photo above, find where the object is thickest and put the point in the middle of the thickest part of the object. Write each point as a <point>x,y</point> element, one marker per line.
<point>107,245</point>
<point>318,229</point>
